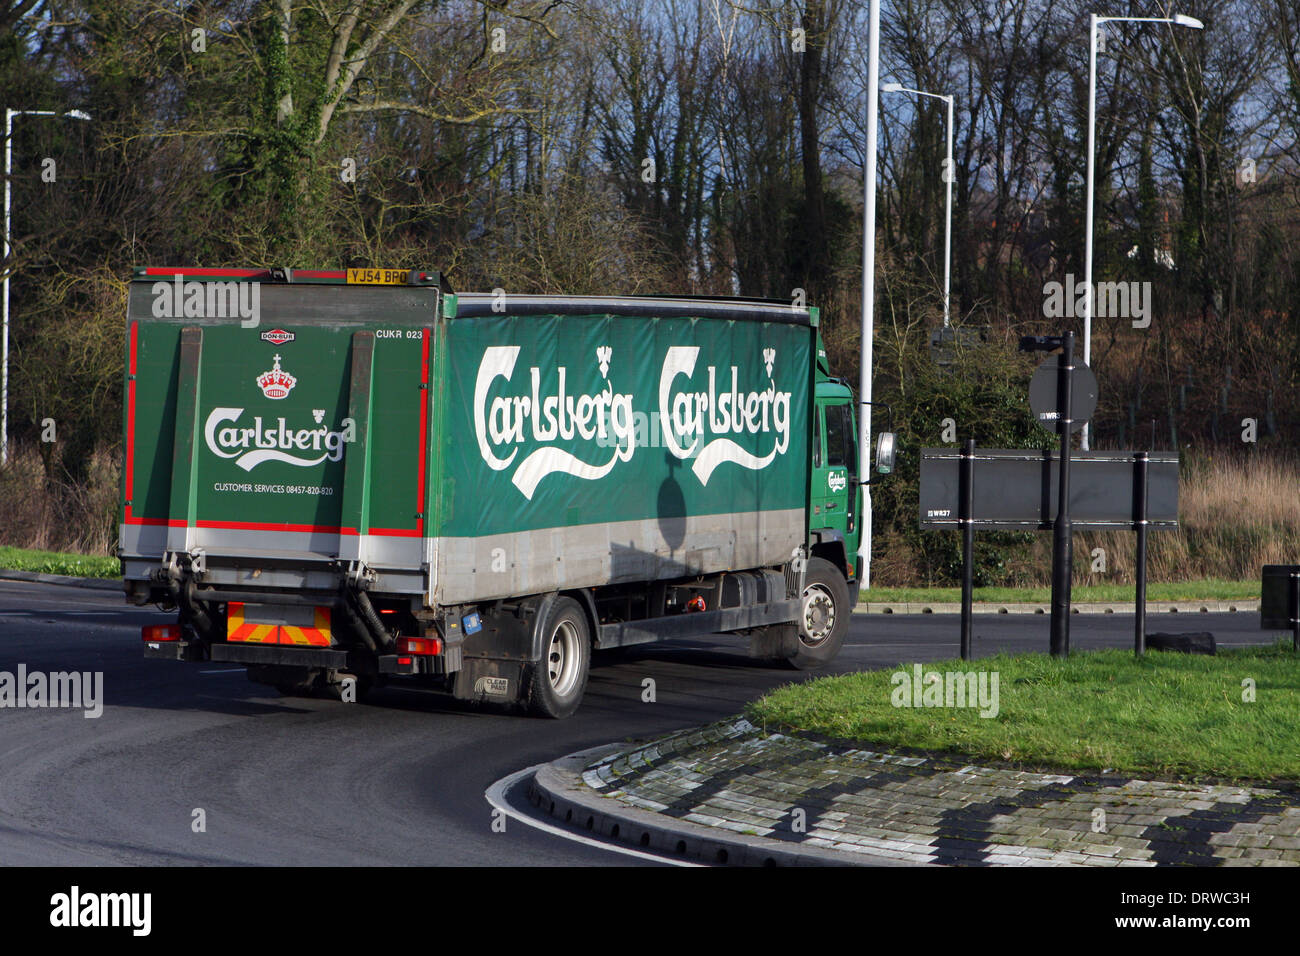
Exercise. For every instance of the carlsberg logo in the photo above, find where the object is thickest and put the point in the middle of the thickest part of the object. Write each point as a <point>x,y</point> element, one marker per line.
<point>700,415</point>
<point>504,422</point>
<point>697,419</point>
<point>251,445</point>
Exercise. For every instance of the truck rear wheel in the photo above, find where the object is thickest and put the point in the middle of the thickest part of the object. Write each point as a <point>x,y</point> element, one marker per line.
<point>559,679</point>
<point>824,611</point>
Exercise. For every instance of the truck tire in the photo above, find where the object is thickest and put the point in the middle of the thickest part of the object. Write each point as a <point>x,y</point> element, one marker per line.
<point>559,679</point>
<point>824,610</point>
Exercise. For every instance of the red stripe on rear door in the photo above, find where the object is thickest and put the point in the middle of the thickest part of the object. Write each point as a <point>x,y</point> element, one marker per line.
<point>130,424</point>
<point>424,430</point>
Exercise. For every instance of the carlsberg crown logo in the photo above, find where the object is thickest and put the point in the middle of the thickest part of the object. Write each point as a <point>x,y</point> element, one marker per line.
<point>276,383</point>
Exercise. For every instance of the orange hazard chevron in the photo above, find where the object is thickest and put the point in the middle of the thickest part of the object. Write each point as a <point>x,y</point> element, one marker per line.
<point>252,632</point>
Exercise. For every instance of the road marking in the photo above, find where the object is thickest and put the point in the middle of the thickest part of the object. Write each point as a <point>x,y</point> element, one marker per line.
<point>57,613</point>
<point>926,646</point>
<point>496,796</point>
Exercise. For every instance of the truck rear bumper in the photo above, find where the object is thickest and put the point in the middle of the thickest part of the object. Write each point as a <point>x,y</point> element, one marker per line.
<point>277,654</point>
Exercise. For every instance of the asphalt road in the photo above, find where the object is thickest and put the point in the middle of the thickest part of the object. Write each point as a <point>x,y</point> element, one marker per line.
<point>398,780</point>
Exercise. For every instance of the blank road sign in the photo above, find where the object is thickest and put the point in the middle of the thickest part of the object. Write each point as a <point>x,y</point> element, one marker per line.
<point>1015,489</point>
<point>1043,394</point>
<point>1275,597</point>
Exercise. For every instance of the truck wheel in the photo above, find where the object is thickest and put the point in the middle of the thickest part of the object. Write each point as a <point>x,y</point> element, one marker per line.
<point>824,611</point>
<point>560,677</point>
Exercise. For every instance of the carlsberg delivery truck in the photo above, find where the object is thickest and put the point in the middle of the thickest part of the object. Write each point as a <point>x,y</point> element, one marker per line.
<point>344,478</point>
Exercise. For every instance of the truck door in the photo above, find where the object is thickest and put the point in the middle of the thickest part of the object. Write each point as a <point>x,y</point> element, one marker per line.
<point>834,466</point>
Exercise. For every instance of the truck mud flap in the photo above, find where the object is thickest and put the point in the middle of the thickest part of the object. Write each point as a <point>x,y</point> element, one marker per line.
<point>280,654</point>
<point>483,679</point>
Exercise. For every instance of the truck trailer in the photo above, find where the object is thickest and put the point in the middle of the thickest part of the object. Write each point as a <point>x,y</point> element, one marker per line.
<point>344,478</point>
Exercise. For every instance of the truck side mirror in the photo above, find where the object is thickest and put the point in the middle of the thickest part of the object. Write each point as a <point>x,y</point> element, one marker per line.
<point>885,453</point>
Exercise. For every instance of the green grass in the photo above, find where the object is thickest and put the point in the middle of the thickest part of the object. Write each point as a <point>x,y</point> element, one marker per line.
<point>1206,590</point>
<point>54,562</point>
<point>1162,715</point>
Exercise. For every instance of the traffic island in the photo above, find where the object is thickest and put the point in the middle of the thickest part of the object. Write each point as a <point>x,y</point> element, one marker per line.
<point>1098,759</point>
<point>728,793</point>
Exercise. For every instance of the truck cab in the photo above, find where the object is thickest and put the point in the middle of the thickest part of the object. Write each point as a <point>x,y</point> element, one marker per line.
<point>835,496</point>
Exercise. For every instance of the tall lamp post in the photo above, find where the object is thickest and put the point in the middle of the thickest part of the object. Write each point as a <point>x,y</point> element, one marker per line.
<point>4,349</point>
<point>1094,21</point>
<point>947,177</point>
<point>868,286</point>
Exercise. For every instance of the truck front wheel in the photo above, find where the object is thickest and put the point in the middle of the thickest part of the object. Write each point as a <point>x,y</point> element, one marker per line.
<point>824,611</point>
<point>560,677</point>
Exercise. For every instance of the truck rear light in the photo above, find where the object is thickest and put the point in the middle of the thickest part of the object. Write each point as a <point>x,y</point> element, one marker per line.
<point>423,646</point>
<point>157,633</point>
<point>696,604</point>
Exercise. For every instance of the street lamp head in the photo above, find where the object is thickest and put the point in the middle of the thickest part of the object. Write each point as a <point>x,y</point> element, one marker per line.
<point>1185,21</point>
<point>77,114</point>
<point>892,88</point>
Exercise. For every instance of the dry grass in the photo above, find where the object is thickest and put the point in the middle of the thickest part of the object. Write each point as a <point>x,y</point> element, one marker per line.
<point>1235,515</point>
<point>1264,492</point>
<point>57,513</point>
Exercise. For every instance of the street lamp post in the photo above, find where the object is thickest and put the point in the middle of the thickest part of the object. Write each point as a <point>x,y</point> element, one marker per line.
<point>947,178</point>
<point>4,348</point>
<point>868,286</point>
<point>1095,21</point>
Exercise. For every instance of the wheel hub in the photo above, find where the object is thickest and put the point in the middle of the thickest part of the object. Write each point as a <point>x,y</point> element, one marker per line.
<point>818,615</point>
<point>562,658</point>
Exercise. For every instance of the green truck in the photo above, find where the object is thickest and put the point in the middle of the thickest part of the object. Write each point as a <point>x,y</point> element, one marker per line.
<point>342,478</point>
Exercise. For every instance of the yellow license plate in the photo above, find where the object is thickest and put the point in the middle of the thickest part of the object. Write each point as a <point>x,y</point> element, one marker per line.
<point>377,276</point>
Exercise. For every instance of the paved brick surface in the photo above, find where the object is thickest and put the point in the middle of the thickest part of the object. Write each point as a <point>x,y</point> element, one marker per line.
<point>731,776</point>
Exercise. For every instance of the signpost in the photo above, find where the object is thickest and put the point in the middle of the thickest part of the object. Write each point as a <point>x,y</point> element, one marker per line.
<point>1062,534</point>
<point>1026,489</point>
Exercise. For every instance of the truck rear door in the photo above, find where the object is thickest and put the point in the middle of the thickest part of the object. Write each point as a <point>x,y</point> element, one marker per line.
<point>277,431</point>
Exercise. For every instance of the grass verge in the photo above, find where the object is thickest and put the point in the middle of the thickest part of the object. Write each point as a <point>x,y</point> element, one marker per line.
<point>1162,715</point>
<point>1206,590</point>
<point>57,562</point>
